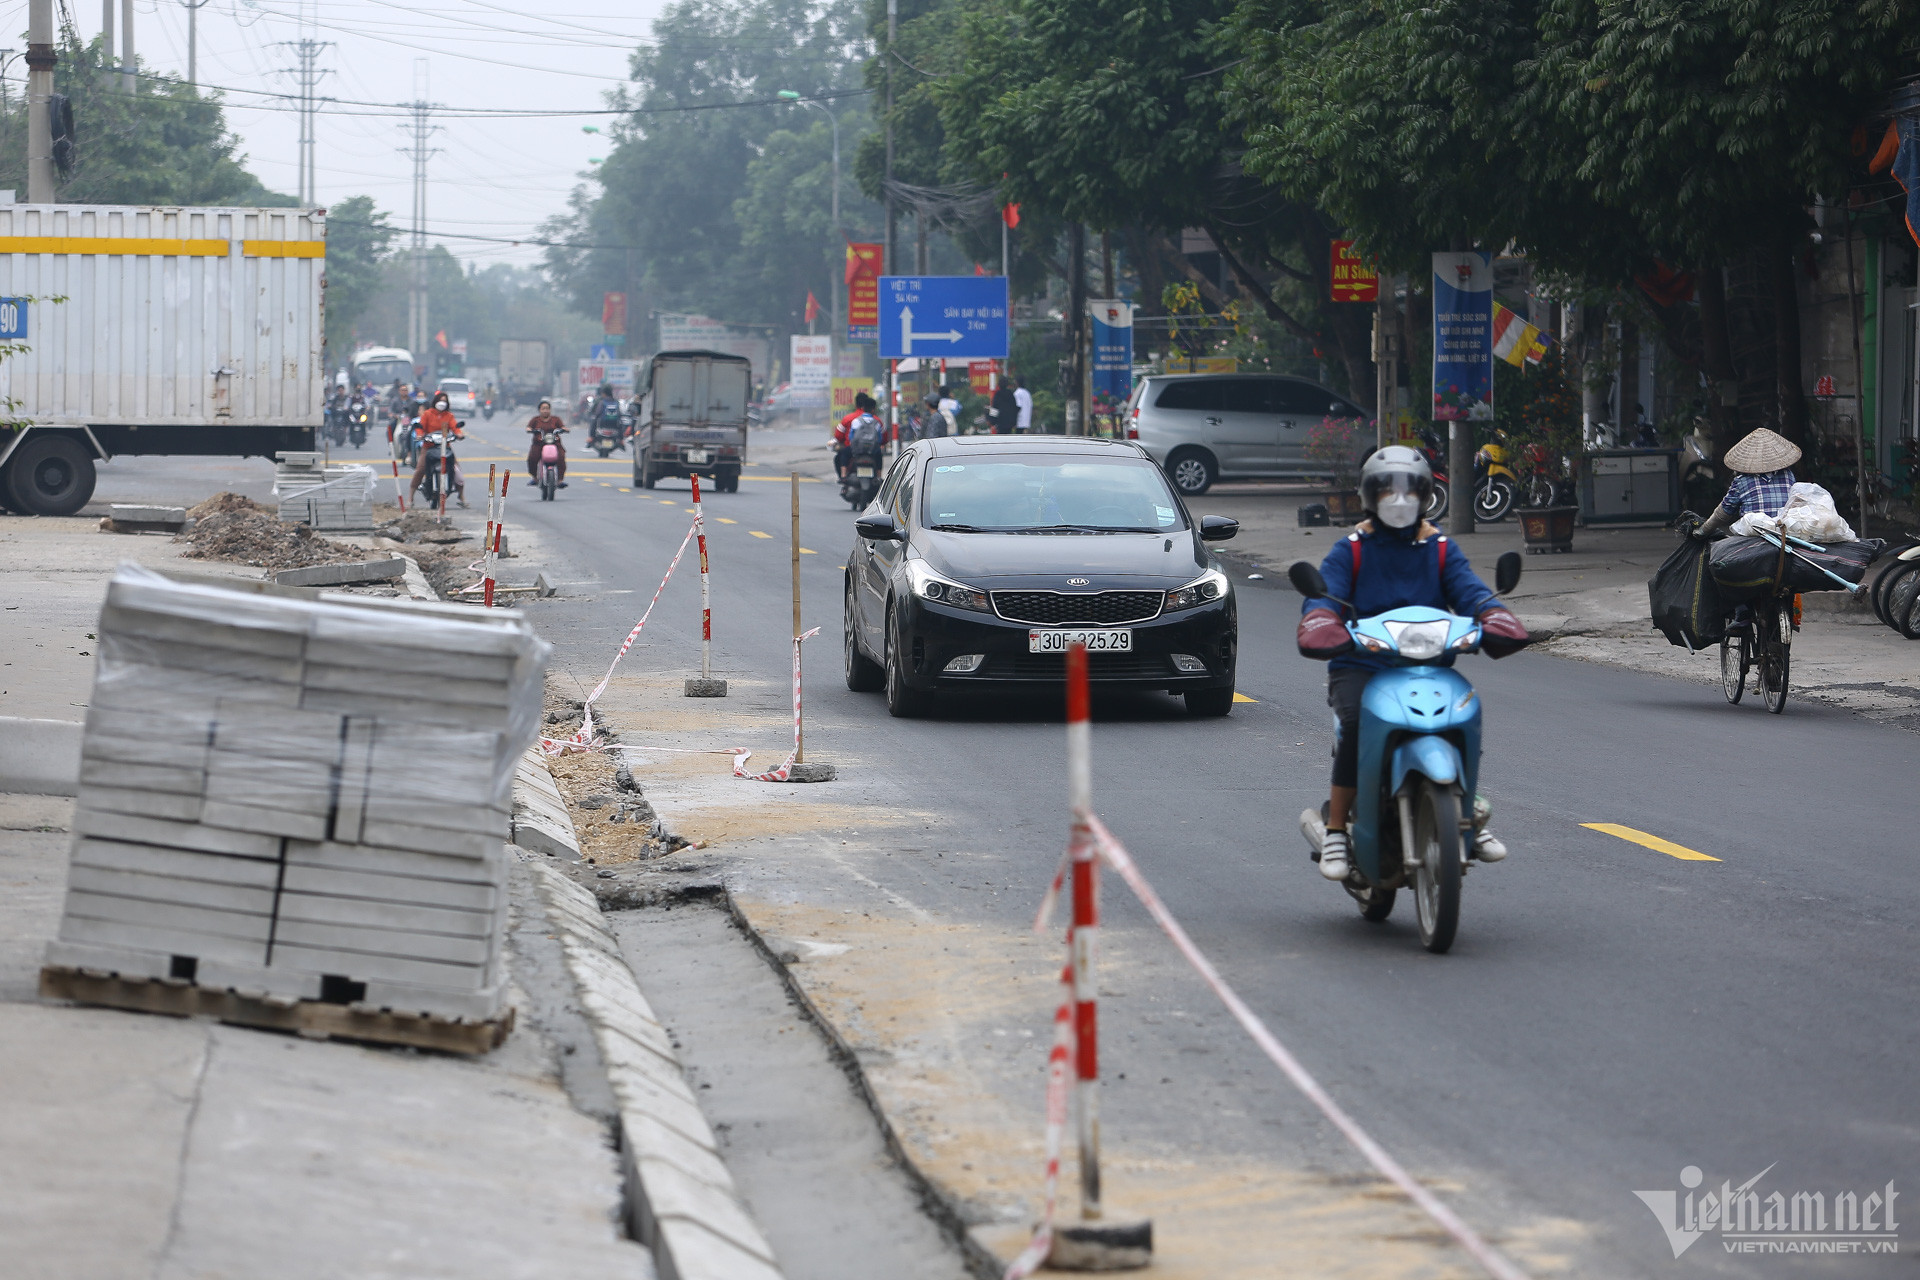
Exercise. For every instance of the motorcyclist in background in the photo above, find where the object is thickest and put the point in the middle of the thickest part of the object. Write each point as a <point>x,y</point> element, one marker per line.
<point>440,418</point>
<point>545,420</point>
<point>863,404</point>
<point>1390,561</point>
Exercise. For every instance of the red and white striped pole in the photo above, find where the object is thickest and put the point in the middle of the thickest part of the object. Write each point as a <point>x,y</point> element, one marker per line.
<point>706,597</point>
<point>1084,930</point>
<point>399,498</point>
<point>499,520</point>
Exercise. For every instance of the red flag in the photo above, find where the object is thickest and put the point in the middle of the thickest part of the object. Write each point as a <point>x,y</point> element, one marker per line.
<point>1011,215</point>
<point>979,270</point>
<point>441,338</point>
<point>813,307</point>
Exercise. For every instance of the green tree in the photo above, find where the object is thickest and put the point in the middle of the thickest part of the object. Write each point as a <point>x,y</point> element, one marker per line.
<point>164,144</point>
<point>359,243</point>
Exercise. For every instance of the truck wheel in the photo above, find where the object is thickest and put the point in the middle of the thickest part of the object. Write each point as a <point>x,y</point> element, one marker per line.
<point>726,481</point>
<point>643,473</point>
<point>49,475</point>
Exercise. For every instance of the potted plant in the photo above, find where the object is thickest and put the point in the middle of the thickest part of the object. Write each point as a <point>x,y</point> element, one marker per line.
<point>1339,446</point>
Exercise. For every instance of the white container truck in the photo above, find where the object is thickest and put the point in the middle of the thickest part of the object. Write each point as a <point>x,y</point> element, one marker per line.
<point>691,416</point>
<point>153,330</point>
<point>526,370</point>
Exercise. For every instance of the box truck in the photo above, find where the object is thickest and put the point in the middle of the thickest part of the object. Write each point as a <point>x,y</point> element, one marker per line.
<point>526,370</point>
<point>692,417</point>
<point>130,330</point>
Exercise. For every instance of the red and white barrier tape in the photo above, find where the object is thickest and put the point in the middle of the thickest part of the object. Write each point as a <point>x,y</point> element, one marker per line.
<point>786,766</point>
<point>1107,848</point>
<point>1059,1078</point>
<point>585,739</point>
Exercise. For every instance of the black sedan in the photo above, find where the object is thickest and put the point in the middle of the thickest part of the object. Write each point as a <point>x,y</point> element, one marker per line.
<point>983,558</point>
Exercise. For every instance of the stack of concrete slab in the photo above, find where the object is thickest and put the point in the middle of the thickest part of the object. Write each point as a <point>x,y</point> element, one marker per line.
<point>325,497</point>
<point>300,798</point>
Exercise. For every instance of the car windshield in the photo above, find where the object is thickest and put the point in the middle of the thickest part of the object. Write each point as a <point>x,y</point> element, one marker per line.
<point>1070,495</point>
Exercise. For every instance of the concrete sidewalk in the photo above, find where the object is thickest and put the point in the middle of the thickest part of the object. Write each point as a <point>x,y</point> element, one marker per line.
<point>1591,603</point>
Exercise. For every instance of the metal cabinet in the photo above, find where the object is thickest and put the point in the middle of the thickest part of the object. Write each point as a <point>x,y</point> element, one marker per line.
<point>1622,486</point>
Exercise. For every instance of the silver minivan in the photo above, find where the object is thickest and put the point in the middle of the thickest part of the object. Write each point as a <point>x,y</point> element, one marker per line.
<point>1206,427</point>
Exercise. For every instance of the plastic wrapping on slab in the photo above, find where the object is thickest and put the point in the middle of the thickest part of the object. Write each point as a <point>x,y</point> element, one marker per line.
<point>342,482</point>
<point>1809,513</point>
<point>273,692</point>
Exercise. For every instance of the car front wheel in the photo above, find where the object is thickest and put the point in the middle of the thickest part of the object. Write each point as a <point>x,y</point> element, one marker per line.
<point>864,675</point>
<point>1209,702</point>
<point>901,701</point>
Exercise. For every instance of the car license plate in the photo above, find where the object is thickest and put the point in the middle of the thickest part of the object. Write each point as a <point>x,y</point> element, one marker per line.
<point>696,455</point>
<point>1104,640</point>
<point>865,473</point>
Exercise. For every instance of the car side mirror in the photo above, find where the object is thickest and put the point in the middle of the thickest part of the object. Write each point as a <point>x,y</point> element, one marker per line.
<point>1218,528</point>
<point>1306,580</point>
<point>880,528</point>
<point>1506,572</point>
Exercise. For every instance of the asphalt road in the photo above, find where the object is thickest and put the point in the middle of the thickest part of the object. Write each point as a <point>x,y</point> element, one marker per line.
<point>1610,1013</point>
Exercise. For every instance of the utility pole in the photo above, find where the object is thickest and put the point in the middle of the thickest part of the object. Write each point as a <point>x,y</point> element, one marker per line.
<point>893,14</point>
<point>307,78</point>
<point>106,33</point>
<point>1076,327</point>
<point>40,64</point>
<point>193,38</point>
<point>126,46</point>
<point>1386,361</point>
<point>419,153</point>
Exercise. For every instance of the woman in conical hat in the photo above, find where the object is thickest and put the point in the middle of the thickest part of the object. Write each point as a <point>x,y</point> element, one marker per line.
<point>1764,460</point>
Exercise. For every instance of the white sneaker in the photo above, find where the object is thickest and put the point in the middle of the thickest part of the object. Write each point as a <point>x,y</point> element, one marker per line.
<point>1333,855</point>
<point>1486,848</point>
<point>1313,827</point>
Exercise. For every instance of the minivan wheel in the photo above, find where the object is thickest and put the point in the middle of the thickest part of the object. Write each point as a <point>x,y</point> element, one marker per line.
<point>1192,472</point>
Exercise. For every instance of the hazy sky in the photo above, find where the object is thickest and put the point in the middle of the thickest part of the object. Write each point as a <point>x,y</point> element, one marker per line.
<point>492,177</point>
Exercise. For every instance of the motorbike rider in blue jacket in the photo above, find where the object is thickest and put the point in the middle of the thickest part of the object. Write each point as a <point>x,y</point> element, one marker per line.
<point>1390,561</point>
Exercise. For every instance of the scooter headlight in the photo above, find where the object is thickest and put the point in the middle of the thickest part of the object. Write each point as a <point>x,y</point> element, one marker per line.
<point>1419,640</point>
<point>1468,643</point>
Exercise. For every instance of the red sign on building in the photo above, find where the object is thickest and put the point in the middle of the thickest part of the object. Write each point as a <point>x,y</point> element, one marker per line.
<point>613,315</point>
<point>863,292</point>
<point>1353,279</point>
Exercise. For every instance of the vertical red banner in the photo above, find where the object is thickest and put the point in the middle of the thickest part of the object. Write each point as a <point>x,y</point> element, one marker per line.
<point>863,292</point>
<point>613,315</point>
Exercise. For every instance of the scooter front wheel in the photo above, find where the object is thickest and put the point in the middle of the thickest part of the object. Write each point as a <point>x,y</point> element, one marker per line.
<point>1437,841</point>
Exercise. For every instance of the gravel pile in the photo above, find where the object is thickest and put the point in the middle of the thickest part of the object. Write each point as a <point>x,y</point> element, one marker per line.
<point>231,527</point>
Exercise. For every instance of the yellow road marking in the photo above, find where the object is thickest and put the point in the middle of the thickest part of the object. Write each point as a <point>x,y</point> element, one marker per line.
<point>724,520</point>
<point>1241,697</point>
<point>624,489</point>
<point>668,501</point>
<point>756,533</point>
<point>692,512</point>
<point>605,485</point>
<point>1655,843</point>
<point>808,551</point>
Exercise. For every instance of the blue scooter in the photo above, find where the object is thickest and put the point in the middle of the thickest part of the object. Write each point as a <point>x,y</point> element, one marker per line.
<point>1412,821</point>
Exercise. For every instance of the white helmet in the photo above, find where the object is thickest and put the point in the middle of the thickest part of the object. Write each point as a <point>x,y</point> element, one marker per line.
<point>1396,485</point>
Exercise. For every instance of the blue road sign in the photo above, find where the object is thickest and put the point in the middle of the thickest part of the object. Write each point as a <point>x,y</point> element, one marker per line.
<point>943,317</point>
<point>13,319</point>
<point>600,352</point>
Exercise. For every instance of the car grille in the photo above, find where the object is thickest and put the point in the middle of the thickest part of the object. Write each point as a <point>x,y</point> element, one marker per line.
<point>1053,666</point>
<point>1091,608</point>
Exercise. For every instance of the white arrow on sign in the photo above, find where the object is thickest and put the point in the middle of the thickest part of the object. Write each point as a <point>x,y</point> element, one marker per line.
<point>908,337</point>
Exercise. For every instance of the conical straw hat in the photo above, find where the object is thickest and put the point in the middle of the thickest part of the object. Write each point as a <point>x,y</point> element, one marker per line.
<point>1761,451</point>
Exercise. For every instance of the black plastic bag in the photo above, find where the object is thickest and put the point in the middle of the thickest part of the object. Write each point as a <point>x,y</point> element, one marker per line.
<point>1848,559</point>
<point>1744,568</point>
<point>1687,604</point>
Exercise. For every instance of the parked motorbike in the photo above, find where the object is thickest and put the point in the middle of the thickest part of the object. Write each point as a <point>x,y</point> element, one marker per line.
<point>549,473</point>
<point>1412,822</point>
<point>1494,483</point>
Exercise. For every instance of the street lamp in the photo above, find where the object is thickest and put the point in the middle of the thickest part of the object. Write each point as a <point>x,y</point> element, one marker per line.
<point>834,292</point>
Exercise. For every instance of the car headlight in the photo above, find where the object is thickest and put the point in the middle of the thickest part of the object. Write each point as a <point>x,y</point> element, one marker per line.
<point>929,587</point>
<point>1205,590</point>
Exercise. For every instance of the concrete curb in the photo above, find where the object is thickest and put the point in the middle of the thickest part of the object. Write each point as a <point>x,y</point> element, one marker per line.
<point>681,1201</point>
<point>416,582</point>
<point>40,757</point>
<point>541,822</point>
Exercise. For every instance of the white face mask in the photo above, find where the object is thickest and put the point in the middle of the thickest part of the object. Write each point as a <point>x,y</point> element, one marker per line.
<point>1399,510</point>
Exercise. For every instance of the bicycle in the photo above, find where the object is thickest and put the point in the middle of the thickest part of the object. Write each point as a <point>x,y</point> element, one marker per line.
<point>1764,639</point>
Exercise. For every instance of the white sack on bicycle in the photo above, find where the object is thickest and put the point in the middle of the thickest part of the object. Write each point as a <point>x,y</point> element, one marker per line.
<point>1809,514</point>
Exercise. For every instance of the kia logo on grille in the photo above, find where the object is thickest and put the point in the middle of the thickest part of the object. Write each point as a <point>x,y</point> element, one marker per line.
<point>1076,582</point>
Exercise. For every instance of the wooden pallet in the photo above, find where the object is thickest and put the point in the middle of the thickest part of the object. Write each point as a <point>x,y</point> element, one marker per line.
<point>313,1019</point>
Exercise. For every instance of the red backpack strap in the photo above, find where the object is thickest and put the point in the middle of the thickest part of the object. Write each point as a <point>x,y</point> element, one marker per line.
<point>1353,545</point>
<point>1442,540</point>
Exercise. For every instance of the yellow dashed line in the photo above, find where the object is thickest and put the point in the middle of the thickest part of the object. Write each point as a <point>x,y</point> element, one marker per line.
<point>724,520</point>
<point>756,533</point>
<point>808,551</point>
<point>692,512</point>
<point>624,489</point>
<point>669,502</point>
<point>1655,843</point>
<point>1241,697</point>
